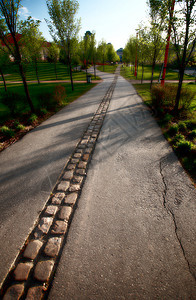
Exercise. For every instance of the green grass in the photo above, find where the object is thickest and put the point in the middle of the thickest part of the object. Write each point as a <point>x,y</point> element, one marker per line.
<point>45,71</point>
<point>180,133</point>
<point>170,74</point>
<point>107,68</point>
<point>44,88</point>
<point>144,91</point>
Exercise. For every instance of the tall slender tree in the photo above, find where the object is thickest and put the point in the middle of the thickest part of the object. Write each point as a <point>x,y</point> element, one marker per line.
<point>32,41</point>
<point>9,37</point>
<point>64,26</point>
<point>184,39</point>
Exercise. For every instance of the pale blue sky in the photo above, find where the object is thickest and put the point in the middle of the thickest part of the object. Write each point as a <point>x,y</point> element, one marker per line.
<point>112,20</point>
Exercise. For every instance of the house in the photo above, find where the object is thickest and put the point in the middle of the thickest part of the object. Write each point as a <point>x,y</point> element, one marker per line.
<point>10,41</point>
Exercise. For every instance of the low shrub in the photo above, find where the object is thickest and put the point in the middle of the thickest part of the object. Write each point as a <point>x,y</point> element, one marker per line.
<point>183,147</point>
<point>43,111</point>
<point>18,126</point>
<point>192,134</point>
<point>165,96</point>
<point>186,98</point>
<point>178,138</point>
<point>173,130</point>
<point>59,94</point>
<point>182,126</point>
<point>8,132</point>
<point>33,118</point>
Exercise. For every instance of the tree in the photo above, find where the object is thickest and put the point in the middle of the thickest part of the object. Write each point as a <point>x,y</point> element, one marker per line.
<point>143,47</point>
<point>4,61</point>
<point>9,37</point>
<point>184,39</point>
<point>102,52</point>
<point>157,15</point>
<point>111,54</point>
<point>93,51</point>
<point>53,55</point>
<point>32,42</point>
<point>63,25</point>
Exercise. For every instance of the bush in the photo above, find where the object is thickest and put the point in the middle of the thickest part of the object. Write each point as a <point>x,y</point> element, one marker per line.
<point>32,119</point>
<point>19,126</point>
<point>8,132</point>
<point>164,97</point>
<point>43,111</point>
<point>189,163</point>
<point>178,138</point>
<point>186,98</point>
<point>59,94</point>
<point>192,134</point>
<point>191,124</point>
<point>183,147</point>
<point>173,130</point>
<point>182,126</point>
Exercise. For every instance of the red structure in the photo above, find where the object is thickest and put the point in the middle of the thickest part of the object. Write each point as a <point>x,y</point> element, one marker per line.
<point>135,74</point>
<point>167,45</point>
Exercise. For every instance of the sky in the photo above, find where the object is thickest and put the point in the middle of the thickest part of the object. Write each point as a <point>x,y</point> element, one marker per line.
<point>113,21</point>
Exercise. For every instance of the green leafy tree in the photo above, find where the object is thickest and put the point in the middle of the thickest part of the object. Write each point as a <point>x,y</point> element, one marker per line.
<point>32,42</point>
<point>143,47</point>
<point>184,39</point>
<point>93,51</point>
<point>4,61</point>
<point>158,20</point>
<point>9,37</point>
<point>53,55</point>
<point>63,26</point>
<point>102,52</point>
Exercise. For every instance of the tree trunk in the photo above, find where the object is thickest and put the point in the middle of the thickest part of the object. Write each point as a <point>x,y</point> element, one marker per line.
<point>2,75</point>
<point>26,88</point>
<point>153,66</point>
<point>36,71</point>
<point>69,63</point>
<point>142,73</point>
<point>95,70</point>
<point>177,101</point>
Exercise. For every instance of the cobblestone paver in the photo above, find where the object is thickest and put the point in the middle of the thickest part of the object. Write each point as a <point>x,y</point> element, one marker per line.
<point>33,270</point>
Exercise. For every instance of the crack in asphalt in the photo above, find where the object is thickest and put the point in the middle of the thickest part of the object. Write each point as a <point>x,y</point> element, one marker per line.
<point>171,213</point>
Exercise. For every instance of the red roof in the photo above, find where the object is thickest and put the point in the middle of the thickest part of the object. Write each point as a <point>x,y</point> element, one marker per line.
<point>10,38</point>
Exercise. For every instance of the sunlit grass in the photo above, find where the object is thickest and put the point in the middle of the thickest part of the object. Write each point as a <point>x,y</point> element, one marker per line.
<point>46,72</point>
<point>128,73</point>
<point>107,68</point>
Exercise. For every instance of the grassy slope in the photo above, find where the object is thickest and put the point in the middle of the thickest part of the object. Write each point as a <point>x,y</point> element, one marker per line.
<point>107,68</point>
<point>170,75</point>
<point>45,71</point>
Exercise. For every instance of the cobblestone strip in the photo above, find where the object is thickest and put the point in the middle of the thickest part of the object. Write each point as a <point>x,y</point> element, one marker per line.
<point>33,270</point>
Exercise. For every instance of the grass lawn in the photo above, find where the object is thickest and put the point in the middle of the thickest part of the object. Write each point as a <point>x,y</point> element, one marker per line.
<point>170,74</point>
<point>46,72</point>
<point>107,68</point>
<point>179,131</point>
<point>13,127</point>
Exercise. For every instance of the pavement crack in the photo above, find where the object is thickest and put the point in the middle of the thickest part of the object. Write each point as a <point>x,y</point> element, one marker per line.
<point>171,213</point>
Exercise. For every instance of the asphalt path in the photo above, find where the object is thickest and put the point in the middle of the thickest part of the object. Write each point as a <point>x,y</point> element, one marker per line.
<point>133,233</point>
<point>30,168</point>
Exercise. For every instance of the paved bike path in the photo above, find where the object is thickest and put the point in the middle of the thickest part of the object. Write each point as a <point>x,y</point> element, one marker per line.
<point>133,233</point>
<point>30,168</point>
